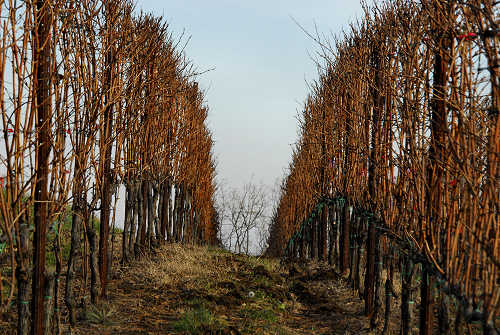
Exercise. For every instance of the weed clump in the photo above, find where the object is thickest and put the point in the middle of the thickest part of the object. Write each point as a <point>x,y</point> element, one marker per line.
<point>198,320</point>
<point>100,314</point>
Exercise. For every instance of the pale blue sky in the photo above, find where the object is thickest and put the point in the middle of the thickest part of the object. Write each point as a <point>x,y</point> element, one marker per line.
<point>262,64</point>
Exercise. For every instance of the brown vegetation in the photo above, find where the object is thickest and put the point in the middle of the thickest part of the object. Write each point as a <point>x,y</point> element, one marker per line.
<point>399,156</point>
<point>203,290</point>
<point>93,96</point>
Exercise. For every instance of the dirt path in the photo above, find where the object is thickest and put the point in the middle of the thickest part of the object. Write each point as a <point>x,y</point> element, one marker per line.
<point>196,290</point>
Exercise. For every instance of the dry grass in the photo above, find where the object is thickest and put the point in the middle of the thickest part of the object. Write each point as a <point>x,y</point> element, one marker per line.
<point>270,264</point>
<point>188,266</point>
<point>183,289</point>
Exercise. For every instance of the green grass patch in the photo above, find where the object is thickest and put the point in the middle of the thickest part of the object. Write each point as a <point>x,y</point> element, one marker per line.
<point>262,296</point>
<point>257,318</point>
<point>257,314</point>
<point>196,321</point>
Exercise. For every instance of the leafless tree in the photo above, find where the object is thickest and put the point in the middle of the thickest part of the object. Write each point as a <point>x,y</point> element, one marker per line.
<point>244,211</point>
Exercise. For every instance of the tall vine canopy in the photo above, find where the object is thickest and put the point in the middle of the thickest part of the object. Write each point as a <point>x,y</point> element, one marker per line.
<point>96,100</point>
<point>397,161</point>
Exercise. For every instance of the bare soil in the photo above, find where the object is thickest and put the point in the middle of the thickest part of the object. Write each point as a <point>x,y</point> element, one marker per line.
<point>183,289</point>
<point>241,295</point>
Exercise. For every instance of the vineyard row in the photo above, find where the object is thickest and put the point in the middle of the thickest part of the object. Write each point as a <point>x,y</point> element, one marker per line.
<point>95,98</point>
<point>403,124</point>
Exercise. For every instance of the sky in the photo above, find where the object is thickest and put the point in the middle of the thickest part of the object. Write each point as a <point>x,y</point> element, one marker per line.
<point>260,64</point>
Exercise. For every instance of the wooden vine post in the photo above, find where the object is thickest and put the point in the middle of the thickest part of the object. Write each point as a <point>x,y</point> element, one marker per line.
<point>41,88</point>
<point>345,233</point>
<point>378,105</point>
<point>106,142</point>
